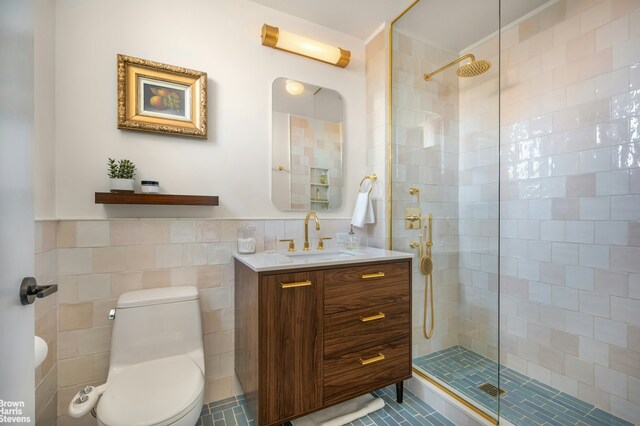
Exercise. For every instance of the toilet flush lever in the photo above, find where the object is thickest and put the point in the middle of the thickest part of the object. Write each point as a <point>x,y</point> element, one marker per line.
<point>112,314</point>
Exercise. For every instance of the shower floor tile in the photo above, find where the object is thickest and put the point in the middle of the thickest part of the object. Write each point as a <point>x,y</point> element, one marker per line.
<point>527,401</point>
<point>412,412</point>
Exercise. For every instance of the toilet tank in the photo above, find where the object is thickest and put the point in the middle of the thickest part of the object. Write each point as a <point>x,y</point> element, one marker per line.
<point>156,323</point>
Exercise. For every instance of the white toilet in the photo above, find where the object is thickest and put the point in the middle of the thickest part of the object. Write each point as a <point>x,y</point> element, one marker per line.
<point>156,372</point>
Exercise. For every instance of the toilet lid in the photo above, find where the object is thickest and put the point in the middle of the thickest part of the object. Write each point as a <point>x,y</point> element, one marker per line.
<point>152,393</point>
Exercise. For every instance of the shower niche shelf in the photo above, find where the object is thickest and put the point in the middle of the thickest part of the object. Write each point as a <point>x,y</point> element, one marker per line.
<point>155,199</point>
<point>320,188</point>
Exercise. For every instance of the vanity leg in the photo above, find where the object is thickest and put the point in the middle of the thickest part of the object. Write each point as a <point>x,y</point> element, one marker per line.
<point>399,392</point>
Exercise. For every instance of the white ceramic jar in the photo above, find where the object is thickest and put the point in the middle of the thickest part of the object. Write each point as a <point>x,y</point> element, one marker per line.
<point>149,186</point>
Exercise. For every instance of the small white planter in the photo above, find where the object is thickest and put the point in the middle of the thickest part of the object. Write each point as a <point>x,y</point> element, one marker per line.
<point>122,185</point>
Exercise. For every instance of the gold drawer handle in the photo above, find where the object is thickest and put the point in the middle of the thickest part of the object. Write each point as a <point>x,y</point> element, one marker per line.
<point>296,284</point>
<point>380,315</point>
<point>380,357</point>
<point>374,275</point>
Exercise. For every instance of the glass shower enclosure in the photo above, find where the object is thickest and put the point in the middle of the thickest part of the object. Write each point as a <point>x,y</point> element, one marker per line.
<point>445,180</point>
<point>515,165</point>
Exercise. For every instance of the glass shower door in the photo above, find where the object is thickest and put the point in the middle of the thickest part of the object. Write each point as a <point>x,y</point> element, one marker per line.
<point>528,168</point>
<point>445,192</point>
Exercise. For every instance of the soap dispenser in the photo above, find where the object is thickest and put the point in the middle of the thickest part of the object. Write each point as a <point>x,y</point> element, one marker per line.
<point>353,242</point>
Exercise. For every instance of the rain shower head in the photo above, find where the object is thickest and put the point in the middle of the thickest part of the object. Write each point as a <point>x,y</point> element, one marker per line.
<point>472,69</point>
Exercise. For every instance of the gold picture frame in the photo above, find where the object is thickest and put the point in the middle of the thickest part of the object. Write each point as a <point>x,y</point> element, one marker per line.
<point>161,98</point>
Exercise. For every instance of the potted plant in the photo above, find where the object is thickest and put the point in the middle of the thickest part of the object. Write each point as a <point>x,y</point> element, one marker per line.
<point>121,174</point>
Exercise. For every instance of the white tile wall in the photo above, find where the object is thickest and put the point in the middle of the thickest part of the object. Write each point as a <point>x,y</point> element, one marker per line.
<point>434,170</point>
<point>570,203</point>
<point>46,323</point>
<point>569,173</point>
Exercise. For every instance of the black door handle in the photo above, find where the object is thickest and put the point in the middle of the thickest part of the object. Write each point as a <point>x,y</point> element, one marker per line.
<point>29,290</point>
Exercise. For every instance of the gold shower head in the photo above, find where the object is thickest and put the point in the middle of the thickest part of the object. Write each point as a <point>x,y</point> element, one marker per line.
<point>472,69</point>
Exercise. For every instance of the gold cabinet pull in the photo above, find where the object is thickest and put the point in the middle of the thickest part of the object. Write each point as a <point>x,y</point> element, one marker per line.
<point>296,284</point>
<point>374,275</point>
<point>380,357</point>
<point>379,315</point>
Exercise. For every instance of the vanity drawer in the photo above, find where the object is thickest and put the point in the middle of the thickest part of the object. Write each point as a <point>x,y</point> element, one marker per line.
<point>354,330</point>
<point>360,287</point>
<point>363,371</point>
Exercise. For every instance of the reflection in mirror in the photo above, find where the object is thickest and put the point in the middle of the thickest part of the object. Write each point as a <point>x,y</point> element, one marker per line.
<point>306,139</point>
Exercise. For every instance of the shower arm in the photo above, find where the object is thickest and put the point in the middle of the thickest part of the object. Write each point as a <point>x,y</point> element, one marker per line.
<point>427,76</point>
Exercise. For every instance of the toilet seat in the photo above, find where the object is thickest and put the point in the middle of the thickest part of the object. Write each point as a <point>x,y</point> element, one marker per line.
<point>158,393</point>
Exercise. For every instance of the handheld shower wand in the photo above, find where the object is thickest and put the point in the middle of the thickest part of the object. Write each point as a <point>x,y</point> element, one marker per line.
<point>426,267</point>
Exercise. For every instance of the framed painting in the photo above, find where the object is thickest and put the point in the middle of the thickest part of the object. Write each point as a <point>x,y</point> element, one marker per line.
<point>155,97</point>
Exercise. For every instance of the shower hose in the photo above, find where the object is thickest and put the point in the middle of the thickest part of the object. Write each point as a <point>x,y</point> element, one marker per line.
<point>428,300</point>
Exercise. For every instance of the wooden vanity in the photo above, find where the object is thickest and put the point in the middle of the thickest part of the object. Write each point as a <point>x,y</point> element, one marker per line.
<point>311,336</point>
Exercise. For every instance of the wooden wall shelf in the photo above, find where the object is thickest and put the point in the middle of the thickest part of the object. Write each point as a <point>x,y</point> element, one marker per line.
<point>156,199</point>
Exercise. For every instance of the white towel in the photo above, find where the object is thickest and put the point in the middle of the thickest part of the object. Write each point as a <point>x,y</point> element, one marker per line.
<point>363,212</point>
<point>342,414</point>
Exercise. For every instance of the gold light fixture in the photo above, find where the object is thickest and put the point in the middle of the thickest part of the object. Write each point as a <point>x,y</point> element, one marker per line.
<point>293,43</point>
<point>294,87</point>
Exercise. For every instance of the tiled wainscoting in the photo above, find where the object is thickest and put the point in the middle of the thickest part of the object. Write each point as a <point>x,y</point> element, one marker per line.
<point>46,323</point>
<point>94,262</point>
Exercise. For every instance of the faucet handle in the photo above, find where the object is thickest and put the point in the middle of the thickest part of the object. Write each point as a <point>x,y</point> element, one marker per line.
<point>292,245</point>
<point>321,242</point>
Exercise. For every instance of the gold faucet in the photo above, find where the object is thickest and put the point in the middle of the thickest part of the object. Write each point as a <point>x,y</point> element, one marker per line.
<point>306,228</point>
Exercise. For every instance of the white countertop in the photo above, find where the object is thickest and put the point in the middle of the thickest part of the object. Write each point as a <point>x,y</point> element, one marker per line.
<point>262,262</point>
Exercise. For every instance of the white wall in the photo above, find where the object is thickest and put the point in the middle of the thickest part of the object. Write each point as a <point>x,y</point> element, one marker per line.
<point>44,109</point>
<point>220,37</point>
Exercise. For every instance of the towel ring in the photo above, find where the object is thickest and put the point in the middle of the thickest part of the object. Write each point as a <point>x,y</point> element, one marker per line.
<point>372,179</point>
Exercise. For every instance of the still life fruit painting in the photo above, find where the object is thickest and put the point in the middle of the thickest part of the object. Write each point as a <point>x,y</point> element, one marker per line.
<point>164,100</point>
<point>161,98</point>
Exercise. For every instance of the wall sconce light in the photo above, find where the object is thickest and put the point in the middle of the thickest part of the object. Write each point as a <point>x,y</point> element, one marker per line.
<point>283,40</point>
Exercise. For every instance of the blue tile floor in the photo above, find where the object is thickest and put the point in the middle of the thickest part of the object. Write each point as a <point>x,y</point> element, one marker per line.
<point>527,401</point>
<point>412,412</point>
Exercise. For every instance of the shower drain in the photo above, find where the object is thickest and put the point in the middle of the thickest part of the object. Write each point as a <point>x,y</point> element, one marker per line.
<point>491,389</point>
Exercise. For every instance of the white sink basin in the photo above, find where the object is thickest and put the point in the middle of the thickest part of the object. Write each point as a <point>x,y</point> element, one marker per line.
<point>321,255</point>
